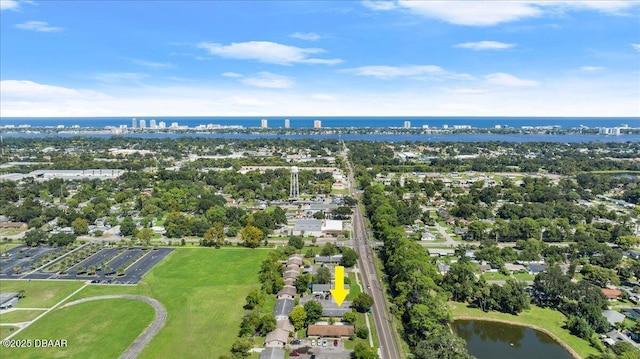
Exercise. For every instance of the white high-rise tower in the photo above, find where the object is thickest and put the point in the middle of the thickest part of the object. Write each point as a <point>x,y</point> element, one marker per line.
<point>287,123</point>
<point>294,189</point>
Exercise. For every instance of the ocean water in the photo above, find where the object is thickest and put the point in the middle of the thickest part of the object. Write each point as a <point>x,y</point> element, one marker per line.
<point>329,122</point>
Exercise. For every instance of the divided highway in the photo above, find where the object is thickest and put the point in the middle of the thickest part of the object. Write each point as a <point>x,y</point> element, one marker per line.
<point>373,287</point>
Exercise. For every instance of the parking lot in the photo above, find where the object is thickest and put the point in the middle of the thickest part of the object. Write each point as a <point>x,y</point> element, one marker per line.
<point>315,348</point>
<point>22,257</point>
<point>139,262</point>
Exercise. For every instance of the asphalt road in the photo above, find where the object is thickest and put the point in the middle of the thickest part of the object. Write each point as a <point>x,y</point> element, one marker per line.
<point>381,317</point>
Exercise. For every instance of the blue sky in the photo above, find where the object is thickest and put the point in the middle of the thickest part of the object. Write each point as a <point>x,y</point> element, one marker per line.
<point>262,58</point>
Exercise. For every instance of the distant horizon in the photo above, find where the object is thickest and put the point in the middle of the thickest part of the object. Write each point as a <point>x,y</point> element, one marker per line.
<point>313,116</point>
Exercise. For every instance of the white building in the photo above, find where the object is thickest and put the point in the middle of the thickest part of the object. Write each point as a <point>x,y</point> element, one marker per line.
<point>407,124</point>
<point>153,124</point>
<point>317,124</point>
<point>615,131</point>
<point>287,123</point>
<point>263,123</point>
<point>143,124</point>
<point>162,124</point>
<point>134,123</point>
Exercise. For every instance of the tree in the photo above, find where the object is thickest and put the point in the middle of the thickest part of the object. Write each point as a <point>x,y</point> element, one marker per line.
<point>240,348</point>
<point>362,351</point>
<point>460,280</point>
<point>579,326</point>
<point>127,227</point>
<point>296,241</point>
<point>267,324</point>
<point>298,317</point>
<point>329,249</point>
<point>323,276</point>
<point>350,317</point>
<point>35,236</point>
<point>251,236</point>
<point>349,257</point>
<point>80,226</point>
<point>214,236</point>
<point>362,302</point>
<point>255,299</point>
<point>442,344</point>
<point>343,212</point>
<point>314,311</point>
<point>302,282</point>
<point>145,235</point>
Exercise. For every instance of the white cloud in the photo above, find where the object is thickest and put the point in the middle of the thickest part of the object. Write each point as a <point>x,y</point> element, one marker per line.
<point>9,5</point>
<point>309,36</point>
<point>485,45</point>
<point>152,65</point>
<point>267,52</point>
<point>40,26</point>
<point>390,72</point>
<point>379,4</point>
<point>507,80</point>
<point>489,13</point>
<point>323,97</point>
<point>33,91</point>
<point>591,68</point>
<point>117,77</point>
<point>468,91</point>
<point>231,74</point>
<point>472,13</point>
<point>636,47</point>
<point>268,80</point>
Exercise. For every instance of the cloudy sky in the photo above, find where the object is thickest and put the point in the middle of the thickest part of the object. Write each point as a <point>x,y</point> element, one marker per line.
<point>262,58</point>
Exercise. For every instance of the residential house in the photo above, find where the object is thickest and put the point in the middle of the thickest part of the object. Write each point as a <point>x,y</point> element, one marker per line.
<point>328,259</point>
<point>277,338</point>
<point>272,353</point>
<point>330,331</point>
<point>287,292</point>
<point>283,308</point>
<point>611,294</point>
<point>613,317</point>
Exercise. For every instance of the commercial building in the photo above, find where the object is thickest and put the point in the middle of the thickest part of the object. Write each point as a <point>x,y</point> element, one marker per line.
<point>263,123</point>
<point>287,123</point>
<point>317,124</point>
<point>407,124</point>
<point>8,300</point>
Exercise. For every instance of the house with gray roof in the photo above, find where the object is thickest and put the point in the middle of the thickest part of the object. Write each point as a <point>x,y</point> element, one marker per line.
<point>272,353</point>
<point>613,317</point>
<point>277,338</point>
<point>287,292</point>
<point>328,259</point>
<point>283,308</point>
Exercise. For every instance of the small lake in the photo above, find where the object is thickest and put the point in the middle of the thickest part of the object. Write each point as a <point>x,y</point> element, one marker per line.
<point>489,340</point>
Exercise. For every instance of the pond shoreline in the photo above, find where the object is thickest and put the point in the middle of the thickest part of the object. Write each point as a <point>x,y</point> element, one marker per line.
<point>535,327</point>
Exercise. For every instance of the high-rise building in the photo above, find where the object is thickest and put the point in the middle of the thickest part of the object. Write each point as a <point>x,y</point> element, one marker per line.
<point>152,124</point>
<point>134,123</point>
<point>317,124</point>
<point>294,189</point>
<point>407,124</point>
<point>287,123</point>
<point>263,123</point>
<point>162,124</point>
<point>143,124</point>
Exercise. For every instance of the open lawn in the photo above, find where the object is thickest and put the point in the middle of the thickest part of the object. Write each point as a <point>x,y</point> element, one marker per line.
<point>354,288</point>
<point>40,293</point>
<point>6,330</point>
<point>5,246</point>
<point>18,316</point>
<point>11,231</point>
<point>545,318</point>
<point>100,329</point>
<point>203,291</point>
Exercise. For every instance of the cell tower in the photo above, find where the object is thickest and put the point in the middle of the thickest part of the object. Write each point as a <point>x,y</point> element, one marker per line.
<point>294,189</point>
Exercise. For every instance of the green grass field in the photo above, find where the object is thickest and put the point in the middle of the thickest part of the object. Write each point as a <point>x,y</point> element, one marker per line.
<point>40,293</point>
<point>18,316</point>
<point>203,291</point>
<point>6,330</point>
<point>545,318</point>
<point>100,329</point>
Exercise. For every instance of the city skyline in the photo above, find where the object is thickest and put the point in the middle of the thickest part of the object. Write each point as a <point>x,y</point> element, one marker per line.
<point>365,58</point>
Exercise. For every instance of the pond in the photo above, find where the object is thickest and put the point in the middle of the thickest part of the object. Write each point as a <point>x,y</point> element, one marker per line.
<point>490,340</point>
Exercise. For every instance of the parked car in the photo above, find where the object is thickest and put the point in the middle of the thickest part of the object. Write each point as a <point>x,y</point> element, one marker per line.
<point>313,342</point>
<point>335,343</point>
<point>294,354</point>
<point>324,343</point>
<point>295,341</point>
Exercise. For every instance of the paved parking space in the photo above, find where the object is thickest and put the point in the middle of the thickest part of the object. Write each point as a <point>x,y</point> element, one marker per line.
<point>144,260</point>
<point>23,257</point>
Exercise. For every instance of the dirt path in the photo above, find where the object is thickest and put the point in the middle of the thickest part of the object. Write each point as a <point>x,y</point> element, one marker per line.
<point>145,337</point>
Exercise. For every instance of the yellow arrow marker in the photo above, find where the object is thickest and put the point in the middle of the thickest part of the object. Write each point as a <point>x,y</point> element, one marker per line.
<point>339,293</point>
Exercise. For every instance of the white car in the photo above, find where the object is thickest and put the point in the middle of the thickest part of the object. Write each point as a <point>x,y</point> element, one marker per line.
<point>313,342</point>
<point>324,343</point>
